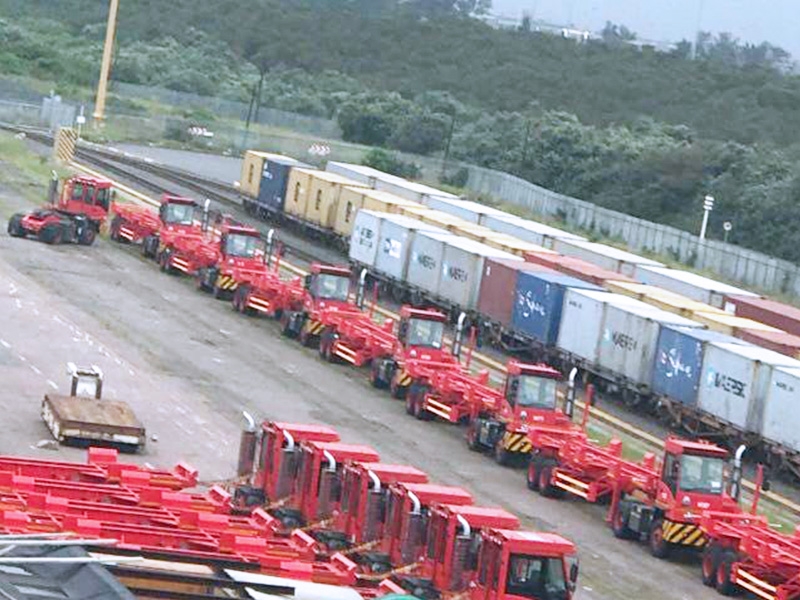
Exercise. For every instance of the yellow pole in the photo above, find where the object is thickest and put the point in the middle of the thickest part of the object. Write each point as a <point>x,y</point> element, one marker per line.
<point>105,67</point>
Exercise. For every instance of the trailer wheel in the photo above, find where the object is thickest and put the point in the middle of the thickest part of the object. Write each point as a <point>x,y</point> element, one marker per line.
<point>725,585</point>
<point>398,392</point>
<point>149,246</point>
<point>87,236</point>
<point>619,525</point>
<point>501,456</point>
<point>473,441</point>
<point>51,234</point>
<point>532,474</point>
<point>710,563</point>
<point>659,547</point>
<point>286,324</point>
<point>546,487</point>
<point>375,377</point>
<point>15,228</point>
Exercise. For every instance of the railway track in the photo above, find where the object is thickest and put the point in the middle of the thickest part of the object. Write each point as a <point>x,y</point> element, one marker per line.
<point>153,176</point>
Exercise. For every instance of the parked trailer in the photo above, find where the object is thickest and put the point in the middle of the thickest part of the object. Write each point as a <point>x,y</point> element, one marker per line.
<point>688,284</point>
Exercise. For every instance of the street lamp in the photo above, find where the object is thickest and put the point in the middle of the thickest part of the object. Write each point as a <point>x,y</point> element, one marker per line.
<point>708,206</point>
<point>727,226</point>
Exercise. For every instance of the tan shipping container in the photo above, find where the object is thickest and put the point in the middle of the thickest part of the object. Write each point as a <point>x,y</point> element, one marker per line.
<point>663,299</point>
<point>352,199</point>
<point>729,324</point>
<point>323,197</point>
<point>512,245</point>
<point>437,219</point>
<point>297,192</point>
<point>252,167</point>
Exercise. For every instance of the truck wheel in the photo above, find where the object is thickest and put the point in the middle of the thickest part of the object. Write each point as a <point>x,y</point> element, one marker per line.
<point>415,399</point>
<point>710,563</point>
<point>375,377</point>
<point>163,260</point>
<point>15,228</point>
<point>725,585</point>
<point>51,234</point>
<point>286,325</point>
<point>222,294</point>
<point>501,456</point>
<point>546,487</point>
<point>326,341</point>
<point>473,441</point>
<point>532,474</point>
<point>619,525</point>
<point>87,236</point>
<point>659,547</point>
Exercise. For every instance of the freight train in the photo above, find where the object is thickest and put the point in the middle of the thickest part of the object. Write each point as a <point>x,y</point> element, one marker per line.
<point>666,341</point>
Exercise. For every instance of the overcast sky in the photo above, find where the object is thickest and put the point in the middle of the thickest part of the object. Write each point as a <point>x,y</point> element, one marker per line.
<point>774,21</point>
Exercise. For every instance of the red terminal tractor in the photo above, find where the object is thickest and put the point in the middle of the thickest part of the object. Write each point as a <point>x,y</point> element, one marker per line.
<point>134,224</point>
<point>73,217</point>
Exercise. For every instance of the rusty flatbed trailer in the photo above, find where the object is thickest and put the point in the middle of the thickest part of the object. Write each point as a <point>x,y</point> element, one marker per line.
<point>80,420</point>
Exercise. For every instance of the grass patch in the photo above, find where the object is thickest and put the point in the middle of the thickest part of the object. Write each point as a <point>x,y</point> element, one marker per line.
<point>24,171</point>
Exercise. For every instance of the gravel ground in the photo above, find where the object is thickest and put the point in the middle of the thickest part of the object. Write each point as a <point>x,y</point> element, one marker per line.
<point>188,365</point>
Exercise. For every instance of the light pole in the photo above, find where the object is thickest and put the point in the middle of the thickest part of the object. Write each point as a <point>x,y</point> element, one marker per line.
<point>708,206</point>
<point>105,67</point>
<point>726,227</point>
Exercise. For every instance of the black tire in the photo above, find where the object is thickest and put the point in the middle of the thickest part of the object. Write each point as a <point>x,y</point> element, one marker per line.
<point>113,229</point>
<point>52,234</point>
<point>88,235</point>
<point>416,395</point>
<point>286,325</point>
<point>473,442</point>
<point>326,342</point>
<point>659,547</point>
<point>15,228</point>
<point>222,294</point>
<point>546,487</point>
<point>150,246</point>
<point>724,582</point>
<point>532,473</point>
<point>619,525</point>
<point>712,554</point>
<point>163,260</point>
<point>502,456</point>
<point>375,378</point>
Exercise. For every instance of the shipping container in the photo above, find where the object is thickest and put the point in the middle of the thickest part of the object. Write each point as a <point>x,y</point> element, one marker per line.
<point>434,217</point>
<point>252,169</point>
<point>323,197</point>
<point>777,341</point>
<point>427,257</point>
<point>365,237</point>
<point>689,284</point>
<point>730,324</point>
<point>678,362</point>
<point>363,174</point>
<point>297,190</point>
<point>468,210</point>
<point>629,338</point>
<point>576,267</point>
<point>353,199</point>
<point>394,244</point>
<point>462,267</point>
<point>529,231</point>
<point>495,297</point>
<point>770,312</point>
<point>663,299</point>
<point>515,246</point>
<point>781,410</point>
<point>604,256</point>
<point>274,181</point>
<point>735,382</point>
<point>538,301</point>
<point>410,190</point>
<point>473,232</point>
<point>582,318</point>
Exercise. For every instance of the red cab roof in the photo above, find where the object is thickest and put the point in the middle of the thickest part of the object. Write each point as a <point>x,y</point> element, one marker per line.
<point>389,474</point>
<point>330,269</point>
<point>481,517</point>
<point>304,432</point>
<point>535,543</point>
<point>342,452</point>
<point>170,199</point>
<point>408,312</point>
<point>542,370</point>
<point>679,446</point>
<point>429,493</point>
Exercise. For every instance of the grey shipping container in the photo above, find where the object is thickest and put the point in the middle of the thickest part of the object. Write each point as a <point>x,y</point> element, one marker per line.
<point>394,244</point>
<point>360,173</point>
<point>425,263</point>
<point>781,414</point>
<point>473,212</point>
<point>582,318</point>
<point>410,190</point>
<point>604,256</point>
<point>528,231</point>
<point>678,362</point>
<point>495,301</point>
<point>691,285</point>
<point>274,177</point>
<point>462,268</point>
<point>629,338</point>
<point>735,383</point>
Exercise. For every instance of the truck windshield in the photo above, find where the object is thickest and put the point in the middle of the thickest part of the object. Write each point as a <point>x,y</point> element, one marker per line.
<point>422,332</point>
<point>703,474</point>
<point>537,392</point>
<point>244,246</point>
<point>332,287</point>
<point>181,214</point>
<point>536,577</point>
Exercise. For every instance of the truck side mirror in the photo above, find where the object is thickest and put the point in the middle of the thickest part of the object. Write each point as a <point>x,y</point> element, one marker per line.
<point>766,485</point>
<point>573,573</point>
<point>307,280</point>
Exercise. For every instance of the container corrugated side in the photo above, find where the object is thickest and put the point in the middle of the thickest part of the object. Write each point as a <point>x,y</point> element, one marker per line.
<point>576,267</point>
<point>394,245</point>
<point>275,174</point>
<point>767,311</point>
<point>678,362</point>
<point>735,383</point>
<point>782,408</point>
<point>425,263</point>
<point>730,324</point>
<point>527,230</point>
<point>689,284</point>
<point>629,337</point>
<point>361,173</point>
<point>365,238</point>
<point>607,257</point>
<point>508,243</point>
<point>323,197</point>
<point>777,341</point>
<point>297,191</point>
<point>538,302</point>
<point>410,190</point>
<point>500,277</point>
<point>462,268</point>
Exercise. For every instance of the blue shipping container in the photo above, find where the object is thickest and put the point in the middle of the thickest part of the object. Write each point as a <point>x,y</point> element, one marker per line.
<point>679,361</point>
<point>537,303</point>
<point>274,177</point>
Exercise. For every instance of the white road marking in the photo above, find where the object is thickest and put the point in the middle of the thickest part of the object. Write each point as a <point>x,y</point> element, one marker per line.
<point>35,370</point>
<point>5,344</point>
<point>18,302</point>
<point>22,358</point>
<point>52,384</point>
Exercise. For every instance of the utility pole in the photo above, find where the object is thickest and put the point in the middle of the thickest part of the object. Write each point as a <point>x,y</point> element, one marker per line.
<point>105,67</point>
<point>708,206</point>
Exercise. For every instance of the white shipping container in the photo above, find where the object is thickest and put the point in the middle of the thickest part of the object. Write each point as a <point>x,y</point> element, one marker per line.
<point>473,212</point>
<point>425,263</point>
<point>394,243</point>
<point>462,268</point>
<point>735,381</point>
<point>630,336</point>
<point>607,257</point>
<point>528,231</point>
<point>781,414</point>
<point>410,190</point>
<point>360,173</point>
<point>364,239</point>
<point>582,318</point>
<point>689,284</point>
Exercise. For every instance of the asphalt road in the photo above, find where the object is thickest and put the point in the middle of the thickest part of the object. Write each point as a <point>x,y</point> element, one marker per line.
<point>188,365</point>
